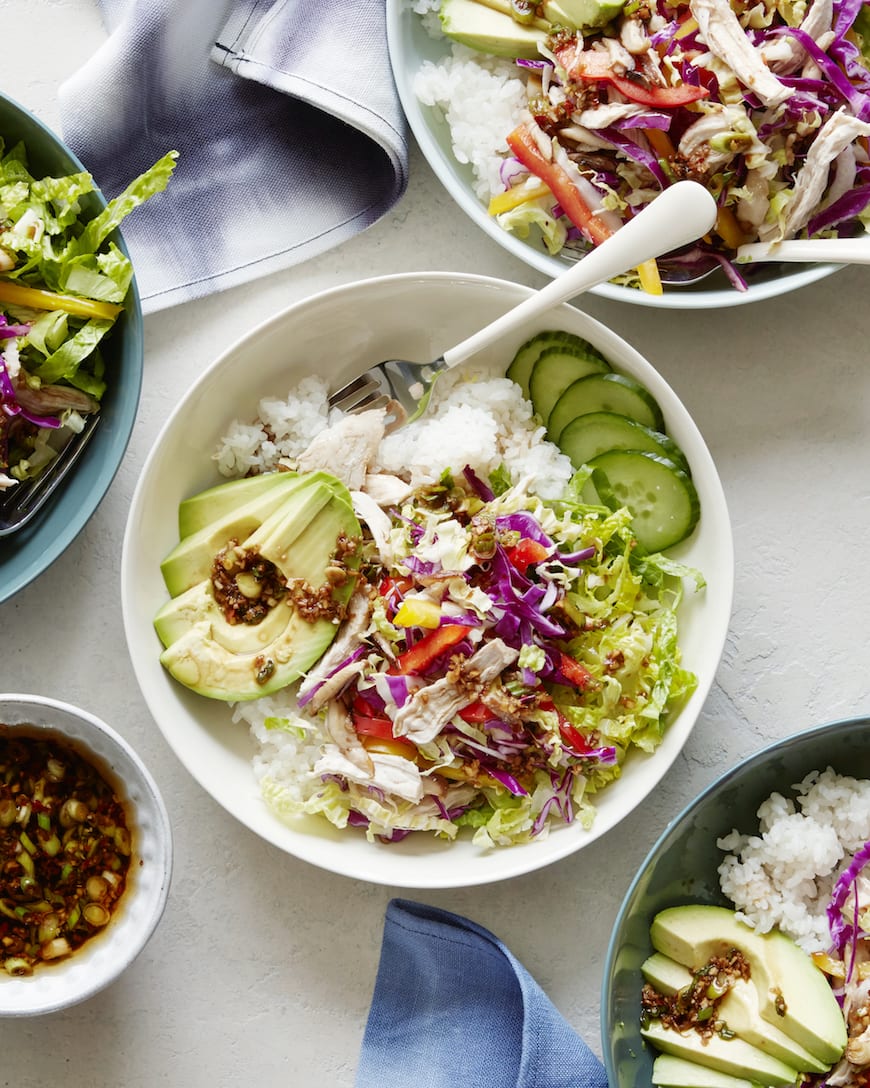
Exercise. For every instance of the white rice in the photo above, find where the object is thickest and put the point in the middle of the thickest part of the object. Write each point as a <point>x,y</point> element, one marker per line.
<point>784,875</point>
<point>482,100</point>
<point>472,420</point>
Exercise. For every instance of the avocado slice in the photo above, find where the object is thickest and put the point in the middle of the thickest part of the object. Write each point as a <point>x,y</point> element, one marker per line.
<point>191,560</point>
<point>740,1012</point>
<point>576,14</point>
<point>215,503</point>
<point>239,661</point>
<point>733,1056</point>
<point>793,994</point>
<point>489,31</point>
<point>672,1072</point>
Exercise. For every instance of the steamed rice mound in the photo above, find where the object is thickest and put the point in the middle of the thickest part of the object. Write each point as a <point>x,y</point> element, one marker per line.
<point>783,876</point>
<point>472,419</point>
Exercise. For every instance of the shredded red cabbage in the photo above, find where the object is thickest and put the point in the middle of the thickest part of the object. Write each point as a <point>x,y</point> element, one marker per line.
<point>843,933</point>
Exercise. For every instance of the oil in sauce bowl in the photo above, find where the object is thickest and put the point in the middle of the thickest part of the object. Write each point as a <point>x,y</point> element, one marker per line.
<point>65,848</point>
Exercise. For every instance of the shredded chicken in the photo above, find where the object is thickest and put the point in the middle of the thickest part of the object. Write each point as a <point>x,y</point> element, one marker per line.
<point>727,40</point>
<point>349,637</point>
<point>386,489</point>
<point>429,709</point>
<point>695,141</point>
<point>392,774</point>
<point>341,732</point>
<point>378,522</point>
<point>832,139</point>
<point>785,55</point>
<point>346,448</point>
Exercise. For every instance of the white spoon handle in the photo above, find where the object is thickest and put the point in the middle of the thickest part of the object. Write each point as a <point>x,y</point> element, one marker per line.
<point>678,216</point>
<point>836,250</point>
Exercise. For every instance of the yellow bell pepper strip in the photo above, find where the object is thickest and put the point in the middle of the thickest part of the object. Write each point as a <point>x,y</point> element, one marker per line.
<point>597,66</point>
<point>418,612</point>
<point>729,229</point>
<point>650,280</point>
<point>512,198</point>
<point>522,143</point>
<point>660,142</point>
<point>36,298</point>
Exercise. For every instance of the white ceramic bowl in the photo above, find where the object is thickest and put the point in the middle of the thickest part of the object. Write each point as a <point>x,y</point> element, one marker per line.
<point>409,46</point>
<point>105,956</point>
<point>414,316</point>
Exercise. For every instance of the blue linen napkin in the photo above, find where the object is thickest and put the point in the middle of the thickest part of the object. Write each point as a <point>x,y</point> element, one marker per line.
<point>452,1007</point>
<point>290,132</point>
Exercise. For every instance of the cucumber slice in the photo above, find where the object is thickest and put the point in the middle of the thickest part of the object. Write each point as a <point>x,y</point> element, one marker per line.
<point>520,369</point>
<point>597,432</point>
<point>661,497</point>
<point>555,370</point>
<point>605,393</point>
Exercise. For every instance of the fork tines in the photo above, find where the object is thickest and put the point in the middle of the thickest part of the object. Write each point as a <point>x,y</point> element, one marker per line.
<point>20,504</point>
<point>364,392</point>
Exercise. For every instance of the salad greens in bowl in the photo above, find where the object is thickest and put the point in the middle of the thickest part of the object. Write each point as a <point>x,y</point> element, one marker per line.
<point>71,339</point>
<point>767,869</point>
<point>552,123</point>
<point>443,654</point>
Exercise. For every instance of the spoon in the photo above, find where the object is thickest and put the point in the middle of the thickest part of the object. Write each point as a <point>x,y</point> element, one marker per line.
<point>834,250</point>
<point>680,215</point>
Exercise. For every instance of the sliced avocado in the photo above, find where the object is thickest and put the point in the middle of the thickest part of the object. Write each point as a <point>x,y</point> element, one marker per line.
<point>733,1056</point>
<point>739,1010</point>
<point>191,560</point>
<point>793,994</point>
<point>489,31</point>
<point>672,1072</point>
<point>577,14</point>
<point>665,974</point>
<point>216,502</point>
<point>237,661</point>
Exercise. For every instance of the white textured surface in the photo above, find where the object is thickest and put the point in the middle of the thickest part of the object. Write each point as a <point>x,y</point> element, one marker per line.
<point>262,968</point>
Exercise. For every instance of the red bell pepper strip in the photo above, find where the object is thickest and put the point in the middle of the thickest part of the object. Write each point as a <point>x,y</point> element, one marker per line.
<point>431,646</point>
<point>573,738</point>
<point>571,735</point>
<point>527,552</point>
<point>476,712</point>
<point>366,726</point>
<point>592,64</point>
<point>578,674</point>
<point>523,145</point>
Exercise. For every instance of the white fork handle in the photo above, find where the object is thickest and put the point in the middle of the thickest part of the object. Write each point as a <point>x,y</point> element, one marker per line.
<point>680,214</point>
<point>836,250</point>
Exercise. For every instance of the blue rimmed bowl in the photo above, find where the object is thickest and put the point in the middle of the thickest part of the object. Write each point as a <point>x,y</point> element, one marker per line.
<point>30,551</point>
<point>682,867</point>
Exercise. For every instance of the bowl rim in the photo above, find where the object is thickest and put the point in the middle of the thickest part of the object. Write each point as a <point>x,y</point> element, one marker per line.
<point>132,539</point>
<point>794,740</point>
<point>162,836</point>
<point>445,170</point>
<point>95,492</point>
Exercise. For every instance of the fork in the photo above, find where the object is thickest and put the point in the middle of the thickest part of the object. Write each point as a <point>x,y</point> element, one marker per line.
<point>680,214</point>
<point>22,503</point>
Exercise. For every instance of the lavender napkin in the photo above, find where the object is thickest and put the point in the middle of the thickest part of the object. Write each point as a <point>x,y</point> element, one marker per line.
<point>453,1007</point>
<point>290,133</point>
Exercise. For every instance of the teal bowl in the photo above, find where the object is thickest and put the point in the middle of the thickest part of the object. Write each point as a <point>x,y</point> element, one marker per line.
<point>27,553</point>
<point>682,868</point>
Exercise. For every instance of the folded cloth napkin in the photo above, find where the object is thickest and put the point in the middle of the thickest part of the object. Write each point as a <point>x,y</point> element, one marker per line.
<point>452,1007</point>
<point>284,112</point>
